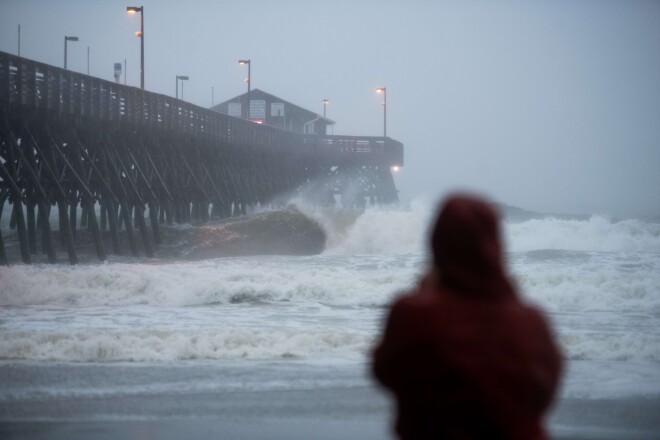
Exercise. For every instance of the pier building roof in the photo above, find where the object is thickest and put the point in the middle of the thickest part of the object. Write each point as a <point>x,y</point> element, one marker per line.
<point>276,112</point>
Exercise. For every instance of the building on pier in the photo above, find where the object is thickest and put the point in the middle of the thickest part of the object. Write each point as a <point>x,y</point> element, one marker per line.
<point>276,112</point>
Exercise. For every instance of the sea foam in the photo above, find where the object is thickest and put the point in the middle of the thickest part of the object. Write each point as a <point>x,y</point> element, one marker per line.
<point>335,280</point>
<point>595,234</point>
<point>94,345</point>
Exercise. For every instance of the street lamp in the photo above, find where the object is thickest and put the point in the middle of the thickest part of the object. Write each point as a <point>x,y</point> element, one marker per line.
<point>132,10</point>
<point>383,90</point>
<point>66,40</point>
<point>249,81</point>
<point>325,104</point>
<point>182,78</point>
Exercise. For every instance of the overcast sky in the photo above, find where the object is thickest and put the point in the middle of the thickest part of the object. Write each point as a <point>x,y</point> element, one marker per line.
<point>550,106</point>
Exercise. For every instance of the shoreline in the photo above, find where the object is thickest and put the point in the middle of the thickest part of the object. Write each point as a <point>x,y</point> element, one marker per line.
<point>359,412</point>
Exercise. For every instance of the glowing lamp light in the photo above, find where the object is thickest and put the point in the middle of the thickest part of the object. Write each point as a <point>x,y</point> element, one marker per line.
<point>383,90</point>
<point>395,168</point>
<point>132,10</point>
<point>248,80</point>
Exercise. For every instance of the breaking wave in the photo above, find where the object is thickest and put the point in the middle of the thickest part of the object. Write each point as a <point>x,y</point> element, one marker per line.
<point>387,231</point>
<point>167,345</point>
<point>595,234</point>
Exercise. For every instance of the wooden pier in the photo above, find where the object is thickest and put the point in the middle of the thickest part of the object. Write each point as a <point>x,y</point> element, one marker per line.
<point>110,157</point>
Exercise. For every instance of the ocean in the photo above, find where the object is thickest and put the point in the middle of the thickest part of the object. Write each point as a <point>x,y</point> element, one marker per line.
<point>277,347</point>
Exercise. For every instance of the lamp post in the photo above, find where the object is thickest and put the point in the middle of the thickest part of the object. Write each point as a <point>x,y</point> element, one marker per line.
<point>133,10</point>
<point>66,40</point>
<point>212,96</point>
<point>182,78</point>
<point>249,81</point>
<point>383,90</point>
<point>325,104</point>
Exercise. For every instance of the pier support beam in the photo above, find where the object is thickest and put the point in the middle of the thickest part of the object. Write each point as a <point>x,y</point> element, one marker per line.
<point>66,235</point>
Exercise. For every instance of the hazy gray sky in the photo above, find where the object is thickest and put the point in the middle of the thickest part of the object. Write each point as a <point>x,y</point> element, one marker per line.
<point>551,106</point>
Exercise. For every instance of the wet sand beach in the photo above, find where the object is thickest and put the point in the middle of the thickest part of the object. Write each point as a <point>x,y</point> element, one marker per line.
<point>360,411</point>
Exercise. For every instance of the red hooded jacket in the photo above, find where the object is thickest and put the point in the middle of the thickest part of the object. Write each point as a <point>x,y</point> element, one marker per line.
<point>464,357</point>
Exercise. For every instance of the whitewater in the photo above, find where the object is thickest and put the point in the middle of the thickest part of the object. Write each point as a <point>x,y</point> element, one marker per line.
<point>108,338</point>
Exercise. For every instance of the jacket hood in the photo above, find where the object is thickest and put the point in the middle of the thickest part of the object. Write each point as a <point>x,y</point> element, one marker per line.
<point>467,249</point>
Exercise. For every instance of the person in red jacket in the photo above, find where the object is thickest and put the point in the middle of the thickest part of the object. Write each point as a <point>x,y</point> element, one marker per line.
<point>463,355</point>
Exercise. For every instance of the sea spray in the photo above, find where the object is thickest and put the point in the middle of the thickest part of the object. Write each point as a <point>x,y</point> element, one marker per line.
<point>375,230</point>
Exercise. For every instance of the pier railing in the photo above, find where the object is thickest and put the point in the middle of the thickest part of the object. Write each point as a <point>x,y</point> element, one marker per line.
<point>42,90</point>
